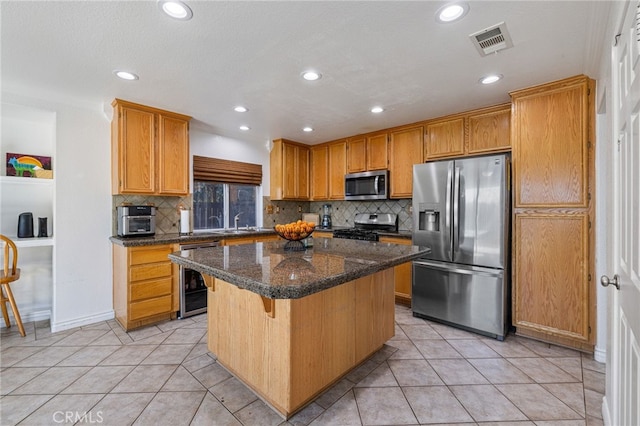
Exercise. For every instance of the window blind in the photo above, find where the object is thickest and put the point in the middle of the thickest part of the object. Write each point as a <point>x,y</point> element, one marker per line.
<point>226,171</point>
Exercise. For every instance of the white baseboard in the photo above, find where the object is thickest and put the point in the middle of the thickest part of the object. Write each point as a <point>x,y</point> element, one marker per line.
<point>600,354</point>
<point>78,322</point>
<point>606,413</point>
<point>28,317</point>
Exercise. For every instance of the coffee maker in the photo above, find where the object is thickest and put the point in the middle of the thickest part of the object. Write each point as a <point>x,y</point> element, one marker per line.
<point>326,216</point>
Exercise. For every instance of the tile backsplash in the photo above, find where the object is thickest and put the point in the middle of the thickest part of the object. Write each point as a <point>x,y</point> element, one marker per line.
<point>167,210</point>
<point>343,212</point>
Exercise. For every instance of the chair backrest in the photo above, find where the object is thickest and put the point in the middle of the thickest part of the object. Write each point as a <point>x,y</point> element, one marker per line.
<point>10,256</point>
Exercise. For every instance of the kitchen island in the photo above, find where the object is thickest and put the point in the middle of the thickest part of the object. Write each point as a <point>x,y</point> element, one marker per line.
<point>291,323</point>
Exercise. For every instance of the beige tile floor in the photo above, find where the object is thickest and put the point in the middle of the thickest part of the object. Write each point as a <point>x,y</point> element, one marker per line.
<point>164,375</point>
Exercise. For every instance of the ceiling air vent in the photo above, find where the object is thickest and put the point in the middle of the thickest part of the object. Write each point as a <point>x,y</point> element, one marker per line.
<point>492,39</point>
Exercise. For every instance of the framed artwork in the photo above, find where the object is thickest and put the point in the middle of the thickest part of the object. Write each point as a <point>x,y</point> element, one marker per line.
<point>27,165</point>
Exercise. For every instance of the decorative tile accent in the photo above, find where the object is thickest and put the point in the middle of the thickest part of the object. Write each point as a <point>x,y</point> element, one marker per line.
<point>167,210</point>
<point>343,212</point>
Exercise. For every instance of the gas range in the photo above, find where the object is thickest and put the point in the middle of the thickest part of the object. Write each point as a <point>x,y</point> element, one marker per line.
<point>356,234</point>
<point>367,226</point>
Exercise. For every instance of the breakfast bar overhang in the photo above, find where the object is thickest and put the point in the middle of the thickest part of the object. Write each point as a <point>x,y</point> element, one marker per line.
<point>291,323</point>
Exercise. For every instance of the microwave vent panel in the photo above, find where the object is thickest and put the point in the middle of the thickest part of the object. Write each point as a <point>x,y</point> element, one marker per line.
<point>492,39</point>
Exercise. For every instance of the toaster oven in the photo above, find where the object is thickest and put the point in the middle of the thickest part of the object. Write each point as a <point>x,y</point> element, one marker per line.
<point>136,221</point>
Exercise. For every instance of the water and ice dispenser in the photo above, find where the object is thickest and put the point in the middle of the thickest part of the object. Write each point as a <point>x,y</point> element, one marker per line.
<point>428,219</point>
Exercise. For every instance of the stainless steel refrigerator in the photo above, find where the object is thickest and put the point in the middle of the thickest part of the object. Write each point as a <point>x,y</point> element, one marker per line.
<point>461,209</point>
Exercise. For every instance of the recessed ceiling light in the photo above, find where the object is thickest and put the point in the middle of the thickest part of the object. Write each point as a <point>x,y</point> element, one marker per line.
<point>245,128</point>
<point>240,108</point>
<point>311,75</point>
<point>125,75</point>
<point>490,78</point>
<point>307,129</point>
<point>452,12</point>
<point>176,9</point>
<point>377,109</point>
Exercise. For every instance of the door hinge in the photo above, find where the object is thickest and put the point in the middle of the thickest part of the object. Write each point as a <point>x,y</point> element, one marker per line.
<point>588,92</point>
<point>589,327</point>
<point>589,277</point>
<point>589,196</point>
<point>589,224</point>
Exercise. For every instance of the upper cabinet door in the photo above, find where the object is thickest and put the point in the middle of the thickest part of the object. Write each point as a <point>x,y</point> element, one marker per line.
<point>135,139</point>
<point>150,150</point>
<point>550,145</point>
<point>357,155</point>
<point>319,172</point>
<point>377,152</point>
<point>173,156</point>
<point>405,150</point>
<point>490,132</point>
<point>444,139</point>
<point>337,169</point>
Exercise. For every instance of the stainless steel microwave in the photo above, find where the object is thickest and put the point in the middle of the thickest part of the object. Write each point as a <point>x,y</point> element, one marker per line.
<point>372,185</point>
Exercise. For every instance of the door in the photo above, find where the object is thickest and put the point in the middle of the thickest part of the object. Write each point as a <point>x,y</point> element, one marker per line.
<point>432,188</point>
<point>480,211</point>
<point>463,296</point>
<point>623,358</point>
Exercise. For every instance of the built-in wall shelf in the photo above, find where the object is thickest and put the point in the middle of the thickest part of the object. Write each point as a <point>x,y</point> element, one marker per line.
<point>17,180</point>
<point>32,242</point>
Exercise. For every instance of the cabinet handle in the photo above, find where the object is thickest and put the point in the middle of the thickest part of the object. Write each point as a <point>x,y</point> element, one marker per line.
<point>605,281</point>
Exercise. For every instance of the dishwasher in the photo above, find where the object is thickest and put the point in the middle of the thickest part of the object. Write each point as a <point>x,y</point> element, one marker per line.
<point>193,291</point>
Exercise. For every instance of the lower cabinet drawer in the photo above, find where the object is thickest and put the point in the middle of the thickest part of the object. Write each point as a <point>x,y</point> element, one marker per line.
<point>147,289</point>
<point>146,308</point>
<point>147,272</point>
<point>142,255</point>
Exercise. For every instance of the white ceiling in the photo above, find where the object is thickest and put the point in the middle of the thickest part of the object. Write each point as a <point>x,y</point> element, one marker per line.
<point>389,53</point>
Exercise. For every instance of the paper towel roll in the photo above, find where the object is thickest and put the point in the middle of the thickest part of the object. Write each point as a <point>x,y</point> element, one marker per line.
<point>185,226</point>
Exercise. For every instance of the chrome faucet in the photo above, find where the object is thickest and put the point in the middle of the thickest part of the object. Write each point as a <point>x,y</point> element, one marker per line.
<point>236,219</point>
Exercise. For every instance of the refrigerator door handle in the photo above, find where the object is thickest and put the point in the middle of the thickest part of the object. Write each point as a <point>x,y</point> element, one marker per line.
<point>459,269</point>
<point>456,210</point>
<point>447,211</point>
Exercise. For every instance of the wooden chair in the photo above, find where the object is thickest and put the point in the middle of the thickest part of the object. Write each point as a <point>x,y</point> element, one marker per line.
<point>9,274</point>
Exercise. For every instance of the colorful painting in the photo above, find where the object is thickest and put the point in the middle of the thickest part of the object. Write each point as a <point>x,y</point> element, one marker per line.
<point>24,165</point>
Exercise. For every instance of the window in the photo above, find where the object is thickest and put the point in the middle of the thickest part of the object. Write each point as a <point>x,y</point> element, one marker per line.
<point>224,190</point>
<point>215,205</point>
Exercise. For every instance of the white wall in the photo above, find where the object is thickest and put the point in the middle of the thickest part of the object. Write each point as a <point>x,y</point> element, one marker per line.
<point>207,144</point>
<point>82,279</point>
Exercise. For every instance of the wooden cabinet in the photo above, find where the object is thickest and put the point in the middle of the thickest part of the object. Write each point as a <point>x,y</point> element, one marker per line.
<point>320,172</point>
<point>553,178</point>
<point>150,150</point>
<point>367,153</point>
<point>323,234</point>
<point>328,167</point>
<point>481,131</point>
<point>489,130</point>
<point>289,171</point>
<point>145,285</point>
<point>250,239</point>
<point>405,150</point>
<point>444,139</point>
<point>403,275</point>
<point>337,169</point>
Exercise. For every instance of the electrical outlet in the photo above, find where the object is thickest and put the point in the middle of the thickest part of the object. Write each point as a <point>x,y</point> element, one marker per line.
<point>299,209</point>
<point>269,209</point>
<point>410,208</point>
<point>277,209</point>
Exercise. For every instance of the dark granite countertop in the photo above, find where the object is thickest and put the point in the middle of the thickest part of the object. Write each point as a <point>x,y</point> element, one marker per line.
<point>187,239</point>
<point>269,270</point>
<point>217,236</point>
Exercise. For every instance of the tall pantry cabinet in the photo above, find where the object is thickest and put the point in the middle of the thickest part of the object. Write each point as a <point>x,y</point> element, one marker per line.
<point>553,180</point>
